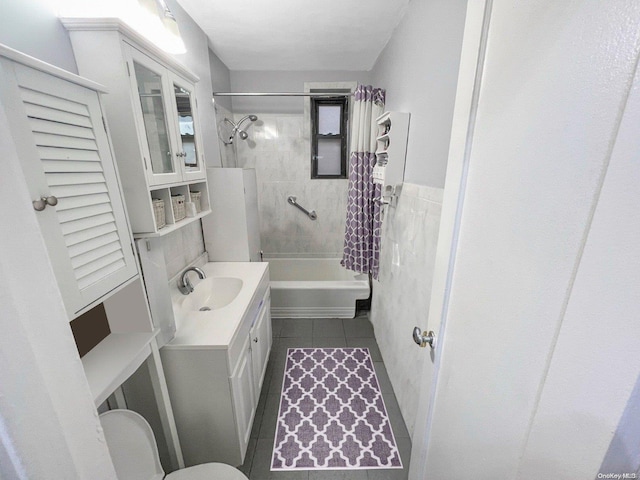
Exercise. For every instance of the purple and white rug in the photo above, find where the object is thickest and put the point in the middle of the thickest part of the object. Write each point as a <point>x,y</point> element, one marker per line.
<point>332,415</point>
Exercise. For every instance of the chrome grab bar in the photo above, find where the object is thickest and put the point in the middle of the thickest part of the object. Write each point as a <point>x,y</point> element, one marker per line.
<point>311,214</point>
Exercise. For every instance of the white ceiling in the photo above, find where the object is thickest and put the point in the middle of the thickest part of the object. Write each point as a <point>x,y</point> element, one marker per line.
<point>297,34</point>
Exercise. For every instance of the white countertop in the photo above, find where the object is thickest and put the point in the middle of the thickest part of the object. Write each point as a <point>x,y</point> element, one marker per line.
<point>216,328</point>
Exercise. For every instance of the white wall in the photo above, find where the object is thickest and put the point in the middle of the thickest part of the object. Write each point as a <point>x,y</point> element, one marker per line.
<point>32,27</point>
<point>197,59</point>
<point>623,455</point>
<point>419,69</point>
<point>181,248</point>
<point>220,79</point>
<point>281,81</point>
<point>402,293</point>
<point>547,252</point>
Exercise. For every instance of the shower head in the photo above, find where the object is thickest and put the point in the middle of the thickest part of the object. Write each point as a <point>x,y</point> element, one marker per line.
<point>253,118</point>
<point>237,130</point>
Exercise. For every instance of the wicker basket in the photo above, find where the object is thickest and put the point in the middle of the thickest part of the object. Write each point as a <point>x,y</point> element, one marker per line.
<point>195,198</point>
<point>158,212</point>
<point>177,201</point>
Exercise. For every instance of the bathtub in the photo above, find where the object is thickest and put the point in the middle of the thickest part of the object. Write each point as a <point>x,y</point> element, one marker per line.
<point>314,288</point>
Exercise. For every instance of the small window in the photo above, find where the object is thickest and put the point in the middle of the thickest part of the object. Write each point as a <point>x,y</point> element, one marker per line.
<point>329,119</point>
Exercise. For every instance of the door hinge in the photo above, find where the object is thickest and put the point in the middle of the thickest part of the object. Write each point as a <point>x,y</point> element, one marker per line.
<point>145,163</point>
<point>128,71</point>
<point>104,124</point>
<point>133,250</point>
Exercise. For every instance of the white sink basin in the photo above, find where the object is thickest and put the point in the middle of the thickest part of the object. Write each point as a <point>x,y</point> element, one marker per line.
<point>229,292</point>
<point>213,293</point>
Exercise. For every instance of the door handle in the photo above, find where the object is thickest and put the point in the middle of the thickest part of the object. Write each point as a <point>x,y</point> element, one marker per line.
<point>424,338</point>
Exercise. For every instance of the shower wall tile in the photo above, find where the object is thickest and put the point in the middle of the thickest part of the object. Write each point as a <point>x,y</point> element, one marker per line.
<point>182,247</point>
<point>402,294</point>
<point>278,148</point>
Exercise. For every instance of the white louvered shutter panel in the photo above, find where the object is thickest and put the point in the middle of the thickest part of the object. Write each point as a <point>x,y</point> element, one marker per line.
<point>70,157</point>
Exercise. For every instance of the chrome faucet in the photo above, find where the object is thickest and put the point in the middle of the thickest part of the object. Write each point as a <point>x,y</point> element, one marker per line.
<point>184,284</point>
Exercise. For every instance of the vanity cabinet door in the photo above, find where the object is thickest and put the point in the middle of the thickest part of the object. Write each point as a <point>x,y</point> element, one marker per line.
<point>152,97</point>
<point>261,340</point>
<point>62,141</point>
<point>186,130</point>
<point>244,397</point>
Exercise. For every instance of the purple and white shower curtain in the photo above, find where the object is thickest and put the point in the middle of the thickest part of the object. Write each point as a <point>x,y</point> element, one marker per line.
<point>362,229</point>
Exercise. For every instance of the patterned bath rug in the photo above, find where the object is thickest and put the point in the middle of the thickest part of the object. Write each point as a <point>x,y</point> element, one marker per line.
<point>332,416</point>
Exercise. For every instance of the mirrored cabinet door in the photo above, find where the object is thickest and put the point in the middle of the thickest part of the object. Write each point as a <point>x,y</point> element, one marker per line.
<point>187,135</point>
<point>150,84</point>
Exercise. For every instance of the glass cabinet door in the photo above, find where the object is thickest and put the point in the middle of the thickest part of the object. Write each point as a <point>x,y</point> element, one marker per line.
<point>152,93</point>
<point>187,130</point>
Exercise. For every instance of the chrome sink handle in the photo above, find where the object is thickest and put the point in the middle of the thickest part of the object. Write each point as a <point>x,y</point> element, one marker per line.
<point>184,284</point>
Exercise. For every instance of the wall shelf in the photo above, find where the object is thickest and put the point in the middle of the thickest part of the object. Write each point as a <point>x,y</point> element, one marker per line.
<point>391,150</point>
<point>172,227</point>
<point>114,360</point>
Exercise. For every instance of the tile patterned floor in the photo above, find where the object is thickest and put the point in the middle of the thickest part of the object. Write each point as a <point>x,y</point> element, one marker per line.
<point>356,332</point>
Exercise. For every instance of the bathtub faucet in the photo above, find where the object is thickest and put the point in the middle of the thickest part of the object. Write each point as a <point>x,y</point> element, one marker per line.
<point>184,284</point>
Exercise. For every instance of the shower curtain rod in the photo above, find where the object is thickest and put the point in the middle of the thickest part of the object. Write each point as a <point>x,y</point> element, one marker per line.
<point>282,94</point>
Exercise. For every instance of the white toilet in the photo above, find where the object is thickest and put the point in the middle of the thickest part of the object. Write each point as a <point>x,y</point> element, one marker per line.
<point>135,456</point>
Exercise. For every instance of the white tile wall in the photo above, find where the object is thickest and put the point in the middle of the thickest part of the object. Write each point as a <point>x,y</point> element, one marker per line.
<point>278,148</point>
<point>402,294</point>
<point>182,247</point>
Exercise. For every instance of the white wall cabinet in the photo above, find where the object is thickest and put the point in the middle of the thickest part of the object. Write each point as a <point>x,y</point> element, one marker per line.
<point>391,149</point>
<point>234,204</point>
<point>166,117</point>
<point>215,391</point>
<point>59,132</point>
<point>155,124</point>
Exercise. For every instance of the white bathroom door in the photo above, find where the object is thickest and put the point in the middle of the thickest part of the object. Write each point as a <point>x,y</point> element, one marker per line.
<point>537,274</point>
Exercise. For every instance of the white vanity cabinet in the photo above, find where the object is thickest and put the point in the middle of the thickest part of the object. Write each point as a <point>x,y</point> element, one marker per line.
<point>261,337</point>
<point>155,127</point>
<point>60,135</point>
<point>248,377</point>
<point>214,385</point>
<point>244,396</point>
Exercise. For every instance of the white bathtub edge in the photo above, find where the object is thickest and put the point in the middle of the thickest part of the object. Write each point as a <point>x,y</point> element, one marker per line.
<point>311,312</point>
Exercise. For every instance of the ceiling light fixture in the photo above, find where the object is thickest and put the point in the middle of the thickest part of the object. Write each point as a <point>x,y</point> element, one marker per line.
<point>150,18</point>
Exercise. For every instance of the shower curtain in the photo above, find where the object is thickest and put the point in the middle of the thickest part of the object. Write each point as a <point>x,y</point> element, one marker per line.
<point>362,230</point>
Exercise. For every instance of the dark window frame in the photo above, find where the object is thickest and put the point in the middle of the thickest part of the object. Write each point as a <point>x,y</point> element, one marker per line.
<point>316,102</point>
